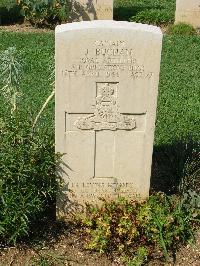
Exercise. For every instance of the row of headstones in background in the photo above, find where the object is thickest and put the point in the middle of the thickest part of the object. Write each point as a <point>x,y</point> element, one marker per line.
<point>188,11</point>
<point>92,10</point>
<point>107,76</point>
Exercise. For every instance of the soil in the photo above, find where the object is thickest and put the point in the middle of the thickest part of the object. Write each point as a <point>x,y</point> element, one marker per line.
<point>25,27</point>
<point>67,249</point>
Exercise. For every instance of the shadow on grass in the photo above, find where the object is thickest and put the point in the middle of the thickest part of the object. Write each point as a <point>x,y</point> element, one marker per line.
<point>47,231</point>
<point>11,16</point>
<point>50,223</point>
<point>176,166</point>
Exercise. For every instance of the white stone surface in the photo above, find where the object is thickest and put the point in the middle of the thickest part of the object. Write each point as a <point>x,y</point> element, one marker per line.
<point>107,76</point>
<point>92,10</point>
<point>188,11</point>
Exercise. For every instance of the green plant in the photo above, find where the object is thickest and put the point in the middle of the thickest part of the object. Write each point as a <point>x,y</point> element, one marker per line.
<point>10,72</point>
<point>139,229</point>
<point>28,181</point>
<point>7,3</point>
<point>45,12</point>
<point>181,29</point>
<point>42,261</point>
<point>138,260</point>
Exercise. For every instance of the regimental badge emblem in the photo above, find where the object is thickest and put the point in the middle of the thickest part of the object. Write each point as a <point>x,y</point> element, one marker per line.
<point>106,115</point>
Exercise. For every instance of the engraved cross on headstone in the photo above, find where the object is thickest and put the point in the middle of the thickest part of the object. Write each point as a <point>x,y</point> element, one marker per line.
<point>105,121</point>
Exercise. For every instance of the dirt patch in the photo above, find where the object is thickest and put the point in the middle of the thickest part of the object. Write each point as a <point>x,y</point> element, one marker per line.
<point>68,250</point>
<point>189,255</point>
<point>25,27</point>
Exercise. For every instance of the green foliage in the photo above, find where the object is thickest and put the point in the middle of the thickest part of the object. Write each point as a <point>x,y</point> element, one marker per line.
<point>27,179</point>
<point>42,261</point>
<point>7,3</point>
<point>181,29</point>
<point>153,16</point>
<point>9,11</point>
<point>139,229</point>
<point>44,12</point>
<point>138,260</point>
<point>145,11</point>
<point>28,182</point>
<point>10,71</point>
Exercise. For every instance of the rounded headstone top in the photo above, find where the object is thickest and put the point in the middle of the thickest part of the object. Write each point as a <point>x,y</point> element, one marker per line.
<point>109,24</point>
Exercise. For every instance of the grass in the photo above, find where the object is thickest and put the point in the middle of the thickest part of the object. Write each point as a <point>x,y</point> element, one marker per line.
<point>140,9</point>
<point>179,92</point>
<point>181,29</point>
<point>37,52</point>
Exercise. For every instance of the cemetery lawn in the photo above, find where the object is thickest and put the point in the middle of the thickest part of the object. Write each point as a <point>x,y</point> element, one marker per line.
<point>177,121</point>
<point>159,12</point>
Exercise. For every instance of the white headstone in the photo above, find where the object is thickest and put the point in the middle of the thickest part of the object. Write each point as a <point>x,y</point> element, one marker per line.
<point>92,10</point>
<point>188,11</point>
<point>107,76</point>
